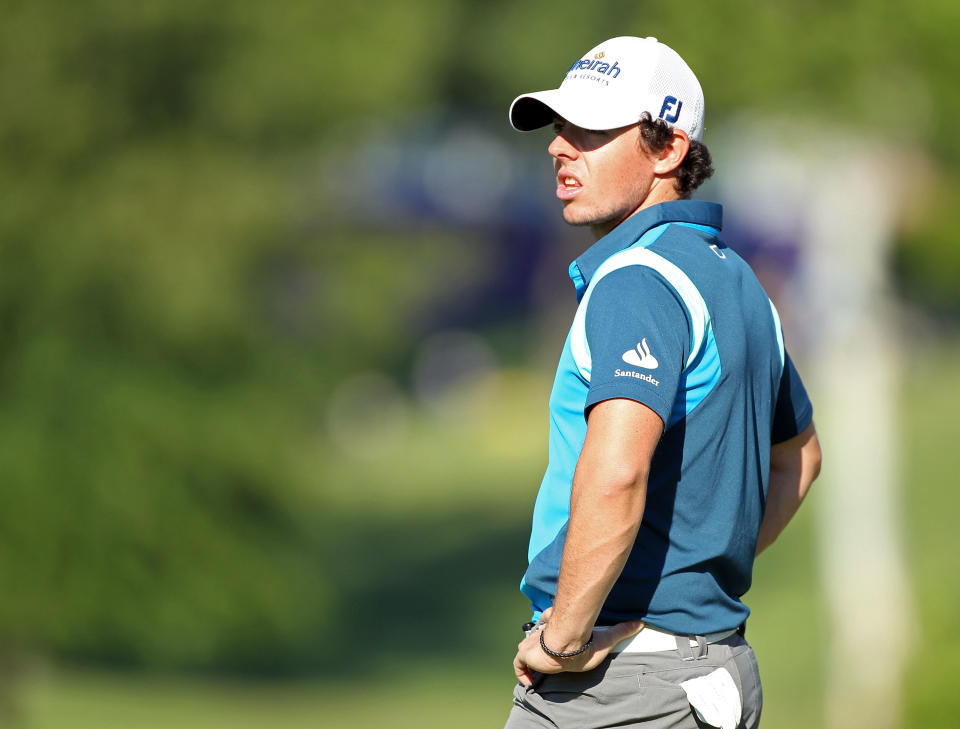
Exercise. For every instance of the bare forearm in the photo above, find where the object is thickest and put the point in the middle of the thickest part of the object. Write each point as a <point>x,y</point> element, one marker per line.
<point>794,466</point>
<point>606,507</point>
<point>785,495</point>
<point>603,526</point>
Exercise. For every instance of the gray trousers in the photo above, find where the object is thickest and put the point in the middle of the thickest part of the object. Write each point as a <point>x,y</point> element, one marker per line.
<point>637,690</point>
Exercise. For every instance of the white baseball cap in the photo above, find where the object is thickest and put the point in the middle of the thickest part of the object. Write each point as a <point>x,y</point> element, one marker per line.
<point>613,85</point>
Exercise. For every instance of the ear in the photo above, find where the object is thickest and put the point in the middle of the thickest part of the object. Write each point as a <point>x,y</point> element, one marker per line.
<point>673,154</point>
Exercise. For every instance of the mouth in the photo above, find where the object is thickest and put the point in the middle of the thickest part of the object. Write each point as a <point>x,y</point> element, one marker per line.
<point>568,186</point>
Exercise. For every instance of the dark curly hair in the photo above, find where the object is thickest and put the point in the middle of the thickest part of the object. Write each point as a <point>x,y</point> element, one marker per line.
<point>696,167</point>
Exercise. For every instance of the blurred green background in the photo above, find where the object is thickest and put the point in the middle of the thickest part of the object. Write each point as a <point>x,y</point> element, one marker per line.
<point>280,295</point>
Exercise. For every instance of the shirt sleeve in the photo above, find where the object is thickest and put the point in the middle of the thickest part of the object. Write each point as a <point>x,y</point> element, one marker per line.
<point>638,333</point>
<point>794,411</point>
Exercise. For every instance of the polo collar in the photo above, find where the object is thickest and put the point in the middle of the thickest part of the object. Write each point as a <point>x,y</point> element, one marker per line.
<point>630,230</point>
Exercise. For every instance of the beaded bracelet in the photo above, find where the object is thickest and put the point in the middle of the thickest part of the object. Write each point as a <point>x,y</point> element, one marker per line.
<point>561,656</point>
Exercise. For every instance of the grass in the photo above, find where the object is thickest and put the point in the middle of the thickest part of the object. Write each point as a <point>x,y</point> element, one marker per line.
<point>931,502</point>
<point>435,678</point>
<point>414,697</point>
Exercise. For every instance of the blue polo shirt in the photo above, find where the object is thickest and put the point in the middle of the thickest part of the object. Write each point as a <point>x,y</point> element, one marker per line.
<point>671,317</point>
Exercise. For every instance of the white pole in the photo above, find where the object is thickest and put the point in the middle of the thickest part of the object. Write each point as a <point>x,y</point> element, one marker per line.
<point>855,363</point>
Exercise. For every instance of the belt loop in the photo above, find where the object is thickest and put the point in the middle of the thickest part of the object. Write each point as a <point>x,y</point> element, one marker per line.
<point>687,651</point>
<point>701,646</point>
<point>683,647</point>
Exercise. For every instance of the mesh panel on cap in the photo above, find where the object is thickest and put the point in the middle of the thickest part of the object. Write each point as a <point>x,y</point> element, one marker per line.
<point>671,78</point>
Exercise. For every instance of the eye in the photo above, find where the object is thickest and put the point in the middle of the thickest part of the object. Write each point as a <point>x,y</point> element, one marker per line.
<point>558,126</point>
<point>598,133</point>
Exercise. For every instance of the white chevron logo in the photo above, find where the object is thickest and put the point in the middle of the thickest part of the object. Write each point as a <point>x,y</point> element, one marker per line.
<point>641,357</point>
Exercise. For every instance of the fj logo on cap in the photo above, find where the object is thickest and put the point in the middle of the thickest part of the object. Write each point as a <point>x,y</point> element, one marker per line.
<point>668,103</point>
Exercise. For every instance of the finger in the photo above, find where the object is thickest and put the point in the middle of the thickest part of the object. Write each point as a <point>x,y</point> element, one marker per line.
<point>522,672</point>
<point>606,639</point>
<point>546,614</point>
<point>625,630</point>
<point>609,636</point>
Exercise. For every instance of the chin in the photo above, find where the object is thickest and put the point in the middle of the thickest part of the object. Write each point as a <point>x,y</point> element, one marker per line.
<point>571,216</point>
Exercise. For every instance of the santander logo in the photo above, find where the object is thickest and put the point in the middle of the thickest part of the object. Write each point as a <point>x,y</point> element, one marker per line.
<point>641,357</point>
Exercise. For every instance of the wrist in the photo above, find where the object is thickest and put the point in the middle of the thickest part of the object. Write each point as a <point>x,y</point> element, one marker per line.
<point>569,649</point>
<point>565,636</point>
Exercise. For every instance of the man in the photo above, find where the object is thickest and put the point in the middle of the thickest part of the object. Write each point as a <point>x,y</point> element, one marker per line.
<point>681,439</point>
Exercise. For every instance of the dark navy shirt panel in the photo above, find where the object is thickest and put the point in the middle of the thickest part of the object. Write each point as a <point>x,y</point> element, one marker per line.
<point>794,411</point>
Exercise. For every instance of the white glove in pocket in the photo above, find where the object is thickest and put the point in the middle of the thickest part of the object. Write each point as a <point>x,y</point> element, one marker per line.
<point>715,698</point>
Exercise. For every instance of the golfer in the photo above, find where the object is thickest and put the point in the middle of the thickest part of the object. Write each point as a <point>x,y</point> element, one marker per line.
<point>681,436</point>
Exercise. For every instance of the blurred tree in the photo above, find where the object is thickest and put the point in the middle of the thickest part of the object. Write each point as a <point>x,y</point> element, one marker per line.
<point>178,300</point>
<point>173,321</point>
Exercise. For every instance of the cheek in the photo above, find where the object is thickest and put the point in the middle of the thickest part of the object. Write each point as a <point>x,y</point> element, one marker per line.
<point>628,167</point>
<point>623,179</point>
<point>640,175</point>
<point>617,175</point>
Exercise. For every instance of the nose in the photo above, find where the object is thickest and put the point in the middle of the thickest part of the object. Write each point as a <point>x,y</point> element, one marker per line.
<point>560,148</point>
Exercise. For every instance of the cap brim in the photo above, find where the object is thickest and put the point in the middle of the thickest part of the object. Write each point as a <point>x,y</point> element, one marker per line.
<point>536,110</point>
<point>531,111</point>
